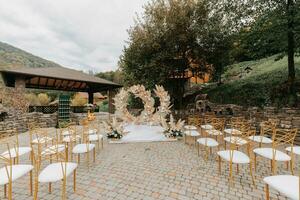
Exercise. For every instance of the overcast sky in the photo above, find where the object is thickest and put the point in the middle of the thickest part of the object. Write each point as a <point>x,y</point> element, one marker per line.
<point>80,34</point>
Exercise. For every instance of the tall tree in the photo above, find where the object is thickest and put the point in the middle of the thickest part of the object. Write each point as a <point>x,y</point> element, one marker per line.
<point>172,36</point>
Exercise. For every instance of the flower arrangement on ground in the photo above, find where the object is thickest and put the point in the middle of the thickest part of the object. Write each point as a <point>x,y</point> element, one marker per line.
<point>114,129</point>
<point>173,129</point>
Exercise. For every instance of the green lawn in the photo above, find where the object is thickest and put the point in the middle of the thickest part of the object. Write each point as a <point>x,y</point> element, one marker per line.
<point>263,86</point>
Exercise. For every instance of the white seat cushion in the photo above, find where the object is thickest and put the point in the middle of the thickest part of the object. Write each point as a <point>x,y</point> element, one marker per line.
<point>210,142</point>
<point>235,140</point>
<point>93,131</point>
<point>207,127</point>
<point>238,156</point>
<point>53,149</point>
<point>71,138</point>
<point>287,185</point>
<point>83,148</point>
<point>54,171</point>
<point>17,172</point>
<point>41,140</point>
<point>13,152</point>
<point>66,133</point>
<point>268,153</point>
<point>190,127</point>
<point>192,133</point>
<point>296,149</point>
<point>232,131</point>
<point>214,132</point>
<point>95,137</point>
<point>260,139</point>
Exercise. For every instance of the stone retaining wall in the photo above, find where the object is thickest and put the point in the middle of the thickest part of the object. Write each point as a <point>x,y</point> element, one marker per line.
<point>287,117</point>
<point>20,121</point>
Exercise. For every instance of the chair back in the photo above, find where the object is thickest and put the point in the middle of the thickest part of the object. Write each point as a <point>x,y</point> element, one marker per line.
<point>195,120</point>
<point>284,137</point>
<point>267,128</point>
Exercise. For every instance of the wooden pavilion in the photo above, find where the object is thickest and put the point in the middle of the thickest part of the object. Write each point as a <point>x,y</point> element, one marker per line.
<point>59,78</point>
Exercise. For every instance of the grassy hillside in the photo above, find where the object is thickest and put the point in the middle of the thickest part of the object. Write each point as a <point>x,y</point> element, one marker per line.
<point>264,85</point>
<point>13,57</point>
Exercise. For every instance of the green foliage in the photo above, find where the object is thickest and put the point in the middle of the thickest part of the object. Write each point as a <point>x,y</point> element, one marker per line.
<point>263,86</point>
<point>173,36</point>
<point>12,56</point>
<point>103,106</point>
<point>115,76</point>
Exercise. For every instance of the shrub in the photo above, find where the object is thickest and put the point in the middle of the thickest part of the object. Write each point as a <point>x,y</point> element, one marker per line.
<point>103,106</point>
<point>32,99</point>
<point>78,100</point>
<point>43,99</point>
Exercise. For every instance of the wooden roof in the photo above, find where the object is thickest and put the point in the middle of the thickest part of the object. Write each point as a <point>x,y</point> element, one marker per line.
<point>57,78</point>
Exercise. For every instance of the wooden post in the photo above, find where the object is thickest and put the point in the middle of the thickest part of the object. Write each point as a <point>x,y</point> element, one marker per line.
<point>91,97</point>
<point>110,102</point>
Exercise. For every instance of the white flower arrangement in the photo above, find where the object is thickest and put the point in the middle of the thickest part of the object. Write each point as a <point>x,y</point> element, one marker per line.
<point>173,129</point>
<point>114,129</point>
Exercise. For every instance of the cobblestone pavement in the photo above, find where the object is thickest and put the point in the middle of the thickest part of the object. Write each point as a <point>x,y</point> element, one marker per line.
<point>159,170</point>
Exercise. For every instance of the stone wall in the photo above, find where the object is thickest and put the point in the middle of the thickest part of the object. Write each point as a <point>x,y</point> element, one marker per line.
<point>20,121</point>
<point>287,117</point>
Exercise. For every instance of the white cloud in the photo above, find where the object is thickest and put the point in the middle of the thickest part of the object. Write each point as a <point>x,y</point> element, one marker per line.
<point>81,34</point>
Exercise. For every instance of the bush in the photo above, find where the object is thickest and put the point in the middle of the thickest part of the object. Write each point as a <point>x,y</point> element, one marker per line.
<point>103,106</point>
<point>78,100</point>
<point>32,99</point>
<point>43,99</point>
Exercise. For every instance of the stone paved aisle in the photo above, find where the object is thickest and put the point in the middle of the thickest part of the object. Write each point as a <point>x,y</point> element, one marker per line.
<point>162,170</point>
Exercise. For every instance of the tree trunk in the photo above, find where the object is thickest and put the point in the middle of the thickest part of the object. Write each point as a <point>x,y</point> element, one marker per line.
<point>291,44</point>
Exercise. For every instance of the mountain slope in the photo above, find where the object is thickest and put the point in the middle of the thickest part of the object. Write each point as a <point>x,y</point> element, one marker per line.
<point>11,56</point>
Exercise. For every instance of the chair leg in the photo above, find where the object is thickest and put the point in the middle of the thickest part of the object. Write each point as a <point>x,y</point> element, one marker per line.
<point>255,162</point>
<point>267,192</point>
<point>30,182</point>
<point>94,154</point>
<point>49,187</point>
<point>251,173</point>
<point>74,180</point>
<point>237,168</point>
<point>198,149</point>
<point>220,164</point>
<point>292,166</point>
<point>230,174</point>
<point>78,158</point>
<point>5,191</point>
<point>102,142</point>
<point>64,184</point>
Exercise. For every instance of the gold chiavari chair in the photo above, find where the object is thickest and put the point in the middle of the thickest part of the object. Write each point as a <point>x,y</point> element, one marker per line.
<point>238,129</point>
<point>191,131</point>
<point>85,147</point>
<point>70,137</point>
<point>38,136</point>
<point>234,156</point>
<point>281,138</point>
<point>218,128</point>
<point>55,147</point>
<point>94,134</point>
<point>266,131</point>
<point>234,125</point>
<point>208,119</point>
<point>59,170</point>
<point>288,185</point>
<point>16,151</point>
<point>11,172</point>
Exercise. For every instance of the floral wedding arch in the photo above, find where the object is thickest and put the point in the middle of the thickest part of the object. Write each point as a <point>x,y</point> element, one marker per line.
<point>149,113</point>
